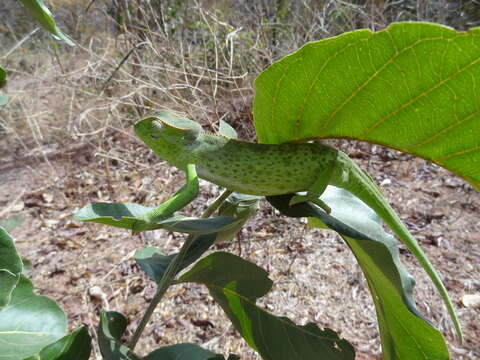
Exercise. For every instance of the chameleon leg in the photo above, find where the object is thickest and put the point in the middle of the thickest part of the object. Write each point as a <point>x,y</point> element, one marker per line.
<point>316,190</point>
<point>182,198</point>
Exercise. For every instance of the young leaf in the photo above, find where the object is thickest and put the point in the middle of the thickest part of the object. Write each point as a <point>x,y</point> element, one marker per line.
<point>130,216</point>
<point>10,267</point>
<point>242,207</point>
<point>154,263</point>
<point>412,87</point>
<point>405,333</point>
<point>29,323</point>
<point>39,11</point>
<point>236,284</point>
<point>226,130</point>
<point>110,330</point>
<point>74,346</point>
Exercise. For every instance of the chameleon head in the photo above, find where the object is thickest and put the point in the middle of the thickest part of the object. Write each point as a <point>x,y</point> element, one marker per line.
<point>167,134</point>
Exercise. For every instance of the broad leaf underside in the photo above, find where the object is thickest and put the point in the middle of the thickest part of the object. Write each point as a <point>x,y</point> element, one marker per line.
<point>411,87</point>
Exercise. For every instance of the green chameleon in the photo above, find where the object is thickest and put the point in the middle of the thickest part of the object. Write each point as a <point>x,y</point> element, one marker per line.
<point>268,169</point>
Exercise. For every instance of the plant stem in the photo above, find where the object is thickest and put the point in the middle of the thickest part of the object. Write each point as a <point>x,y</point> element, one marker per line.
<point>216,204</point>
<point>171,271</point>
<point>161,289</point>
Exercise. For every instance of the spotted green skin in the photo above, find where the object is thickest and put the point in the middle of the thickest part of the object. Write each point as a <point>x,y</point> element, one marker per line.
<point>248,168</point>
<point>261,169</point>
<point>269,169</point>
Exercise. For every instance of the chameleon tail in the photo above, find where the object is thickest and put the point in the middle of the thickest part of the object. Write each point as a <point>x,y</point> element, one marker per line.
<point>401,231</point>
<point>361,185</point>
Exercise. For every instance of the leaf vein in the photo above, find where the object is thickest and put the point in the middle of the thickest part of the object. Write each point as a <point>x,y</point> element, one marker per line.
<point>419,96</point>
<point>457,153</point>
<point>372,77</point>
<point>444,131</point>
<point>314,82</point>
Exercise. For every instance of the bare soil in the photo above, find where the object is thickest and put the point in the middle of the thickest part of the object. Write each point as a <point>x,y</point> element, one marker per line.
<point>87,267</point>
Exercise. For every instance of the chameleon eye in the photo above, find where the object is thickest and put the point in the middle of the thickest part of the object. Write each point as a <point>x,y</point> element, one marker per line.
<point>156,129</point>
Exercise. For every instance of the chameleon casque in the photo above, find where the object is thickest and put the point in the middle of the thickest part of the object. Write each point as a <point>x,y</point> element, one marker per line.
<point>269,169</point>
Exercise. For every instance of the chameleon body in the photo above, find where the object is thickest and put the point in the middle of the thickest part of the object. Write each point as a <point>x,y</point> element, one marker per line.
<point>274,169</point>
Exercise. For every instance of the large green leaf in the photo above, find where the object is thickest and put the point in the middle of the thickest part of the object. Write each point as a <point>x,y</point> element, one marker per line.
<point>412,87</point>
<point>236,284</point>
<point>29,323</point>
<point>39,11</point>
<point>131,216</point>
<point>11,267</point>
<point>32,327</point>
<point>405,333</point>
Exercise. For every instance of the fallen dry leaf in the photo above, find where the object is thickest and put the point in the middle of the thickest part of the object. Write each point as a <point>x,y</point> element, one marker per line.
<point>471,300</point>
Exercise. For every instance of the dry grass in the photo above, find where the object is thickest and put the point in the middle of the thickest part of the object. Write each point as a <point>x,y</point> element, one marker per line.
<point>199,57</point>
<point>71,112</point>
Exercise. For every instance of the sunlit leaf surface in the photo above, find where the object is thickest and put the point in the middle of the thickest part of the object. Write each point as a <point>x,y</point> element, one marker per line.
<point>412,87</point>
